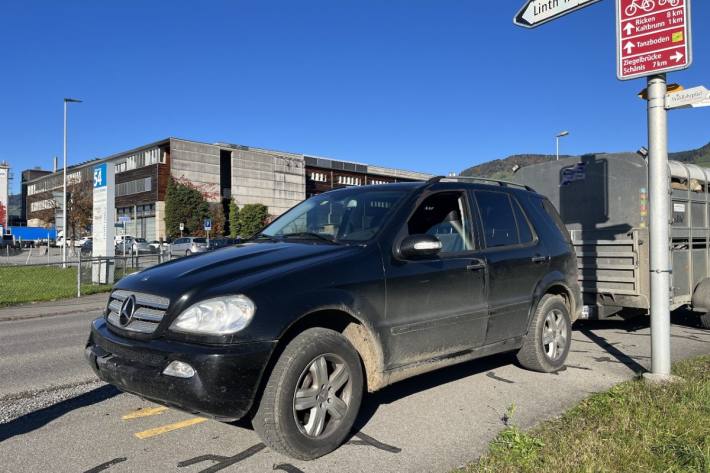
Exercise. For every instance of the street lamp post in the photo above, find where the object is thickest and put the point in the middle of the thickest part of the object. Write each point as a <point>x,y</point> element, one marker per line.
<point>64,198</point>
<point>557,142</point>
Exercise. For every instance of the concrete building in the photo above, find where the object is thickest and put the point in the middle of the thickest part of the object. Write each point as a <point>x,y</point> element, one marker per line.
<point>221,171</point>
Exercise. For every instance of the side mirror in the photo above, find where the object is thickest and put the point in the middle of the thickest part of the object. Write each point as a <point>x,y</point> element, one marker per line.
<point>419,246</point>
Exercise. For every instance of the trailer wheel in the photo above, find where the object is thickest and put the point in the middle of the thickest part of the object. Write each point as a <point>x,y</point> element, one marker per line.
<point>705,320</point>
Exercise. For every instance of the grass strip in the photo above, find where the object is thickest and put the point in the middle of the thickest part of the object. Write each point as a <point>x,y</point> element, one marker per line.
<point>634,427</point>
<point>22,284</point>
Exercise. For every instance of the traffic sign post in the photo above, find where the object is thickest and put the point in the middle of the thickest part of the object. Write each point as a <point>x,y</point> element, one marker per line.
<point>652,37</point>
<point>182,227</point>
<point>538,12</point>
<point>208,226</point>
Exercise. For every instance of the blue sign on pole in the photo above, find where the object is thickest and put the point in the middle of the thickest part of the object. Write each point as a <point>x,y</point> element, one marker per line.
<point>208,224</point>
<point>100,175</point>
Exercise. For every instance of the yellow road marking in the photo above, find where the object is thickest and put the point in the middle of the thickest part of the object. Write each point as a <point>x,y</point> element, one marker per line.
<point>152,411</point>
<point>168,428</point>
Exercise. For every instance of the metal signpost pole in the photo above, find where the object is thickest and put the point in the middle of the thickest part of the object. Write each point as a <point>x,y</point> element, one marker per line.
<point>64,198</point>
<point>659,190</point>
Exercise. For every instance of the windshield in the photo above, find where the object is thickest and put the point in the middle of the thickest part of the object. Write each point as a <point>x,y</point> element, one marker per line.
<point>140,240</point>
<point>352,214</point>
<point>199,240</point>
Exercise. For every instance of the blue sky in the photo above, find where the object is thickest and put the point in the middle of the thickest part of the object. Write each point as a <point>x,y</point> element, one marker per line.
<point>434,85</point>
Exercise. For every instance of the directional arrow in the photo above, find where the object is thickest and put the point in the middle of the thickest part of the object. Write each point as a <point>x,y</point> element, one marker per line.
<point>677,56</point>
<point>536,12</point>
<point>629,47</point>
<point>693,97</point>
<point>629,28</point>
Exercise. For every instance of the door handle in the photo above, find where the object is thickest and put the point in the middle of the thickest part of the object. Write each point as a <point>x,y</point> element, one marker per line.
<point>475,265</point>
<point>539,259</point>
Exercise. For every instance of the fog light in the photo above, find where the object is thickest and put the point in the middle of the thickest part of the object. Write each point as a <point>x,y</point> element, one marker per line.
<point>179,370</point>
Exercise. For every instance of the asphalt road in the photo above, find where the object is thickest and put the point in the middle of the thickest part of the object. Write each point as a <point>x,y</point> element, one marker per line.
<point>54,417</point>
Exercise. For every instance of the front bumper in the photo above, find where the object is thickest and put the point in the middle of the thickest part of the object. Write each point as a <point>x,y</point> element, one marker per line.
<point>224,386</point>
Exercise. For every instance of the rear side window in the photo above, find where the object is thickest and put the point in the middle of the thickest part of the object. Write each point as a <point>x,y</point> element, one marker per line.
<point>498,219</point>
<point>551,212</point>
<point>526,235</point>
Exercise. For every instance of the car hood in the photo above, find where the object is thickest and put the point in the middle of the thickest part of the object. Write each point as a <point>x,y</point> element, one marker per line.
<point>229,266</point>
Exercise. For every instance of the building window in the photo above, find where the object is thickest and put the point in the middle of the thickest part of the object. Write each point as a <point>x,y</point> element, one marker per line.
<point>134,187</point>
<point>377,181</point>
<point>349,180</point>
<point>42,205</point>
<point>318,177</point>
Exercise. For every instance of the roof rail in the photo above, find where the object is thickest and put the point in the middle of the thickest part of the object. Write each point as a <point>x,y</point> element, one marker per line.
<point>484,180</point>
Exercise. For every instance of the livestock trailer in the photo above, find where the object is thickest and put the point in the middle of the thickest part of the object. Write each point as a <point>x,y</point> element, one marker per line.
<point>603,202</point>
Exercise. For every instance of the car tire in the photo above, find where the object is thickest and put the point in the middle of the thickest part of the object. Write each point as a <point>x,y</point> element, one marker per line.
<point>546,345</point>
<point>323,362</point>
<point>188,253</point>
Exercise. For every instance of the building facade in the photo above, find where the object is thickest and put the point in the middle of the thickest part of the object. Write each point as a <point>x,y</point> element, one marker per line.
<point>221,171</point>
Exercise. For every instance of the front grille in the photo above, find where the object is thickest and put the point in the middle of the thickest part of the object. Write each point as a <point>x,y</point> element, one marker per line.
<point>149,311</point>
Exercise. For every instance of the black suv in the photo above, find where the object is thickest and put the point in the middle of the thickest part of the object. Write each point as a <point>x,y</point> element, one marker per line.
<point>349,291</point>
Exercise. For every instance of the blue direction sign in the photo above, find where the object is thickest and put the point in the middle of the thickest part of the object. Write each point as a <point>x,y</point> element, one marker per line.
<point>208,224</point>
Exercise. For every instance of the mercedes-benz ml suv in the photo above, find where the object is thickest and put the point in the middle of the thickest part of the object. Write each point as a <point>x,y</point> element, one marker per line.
<point>345,293</point>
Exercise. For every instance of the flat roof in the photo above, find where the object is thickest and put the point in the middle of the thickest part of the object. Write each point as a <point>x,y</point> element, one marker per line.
<point>315,160</point>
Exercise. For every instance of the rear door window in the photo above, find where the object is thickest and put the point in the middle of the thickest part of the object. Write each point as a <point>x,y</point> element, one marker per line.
<point>498,219</point>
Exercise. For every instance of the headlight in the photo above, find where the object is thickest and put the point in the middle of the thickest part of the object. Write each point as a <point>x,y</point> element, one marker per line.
<point>220,316</point>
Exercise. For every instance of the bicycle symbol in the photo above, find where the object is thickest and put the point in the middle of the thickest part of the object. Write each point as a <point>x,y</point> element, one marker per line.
<point>648,5</point>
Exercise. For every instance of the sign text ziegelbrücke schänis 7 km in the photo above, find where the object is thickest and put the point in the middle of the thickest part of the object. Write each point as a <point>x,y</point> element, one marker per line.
<point>536,12</point>
<point>652,37</point>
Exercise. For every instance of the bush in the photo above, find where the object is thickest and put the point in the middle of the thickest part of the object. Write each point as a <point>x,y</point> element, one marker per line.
<point>187,205</point>
<point>233,215</point>
<point>251,219</point>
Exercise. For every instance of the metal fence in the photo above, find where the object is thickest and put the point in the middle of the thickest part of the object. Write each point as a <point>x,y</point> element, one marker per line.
<point>29,275</point>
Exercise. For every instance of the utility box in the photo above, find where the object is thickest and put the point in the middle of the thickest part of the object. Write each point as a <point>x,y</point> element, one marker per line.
<point>603,201</point>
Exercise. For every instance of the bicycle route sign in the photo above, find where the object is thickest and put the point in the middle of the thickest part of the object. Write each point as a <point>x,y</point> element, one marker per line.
<point>652,37</point>
<point>537,12</point>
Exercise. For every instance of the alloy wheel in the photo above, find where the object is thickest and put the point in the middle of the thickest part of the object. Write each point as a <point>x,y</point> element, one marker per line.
<point>322,396</point>
<point>554,334</point>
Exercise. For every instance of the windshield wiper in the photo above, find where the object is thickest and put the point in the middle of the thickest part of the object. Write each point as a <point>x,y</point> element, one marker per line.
<point>263,236</point>
<point>310,235</point>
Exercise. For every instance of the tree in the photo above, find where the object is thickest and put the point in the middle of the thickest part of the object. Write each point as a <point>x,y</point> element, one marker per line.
<point>184,204</point>
<point>218,220</point>
<point>251,219</point>
<point>233,216</point>
<point>80,207</point>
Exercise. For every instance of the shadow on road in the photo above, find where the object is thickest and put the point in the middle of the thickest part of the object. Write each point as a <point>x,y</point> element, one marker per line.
<point>422,382</point>
<point>35,420</point>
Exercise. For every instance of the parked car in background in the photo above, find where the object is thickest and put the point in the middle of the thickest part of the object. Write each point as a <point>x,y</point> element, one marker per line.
<point>155,245</point>
<point>217,243</point>
<point>140,245</point>
<point>124,244</point>
<point>80,242</point>
<point>87,247</point>
<point>349,291</point>
<point>187,246</point>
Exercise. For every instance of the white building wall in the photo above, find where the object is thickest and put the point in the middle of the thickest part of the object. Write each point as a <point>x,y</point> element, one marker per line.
<point>275,180</point>
<point>197,163</point>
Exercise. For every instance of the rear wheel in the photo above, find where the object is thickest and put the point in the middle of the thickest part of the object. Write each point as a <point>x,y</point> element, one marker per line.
<point>188,253</point>
<point>312,397</point>
<point>546,345</point>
